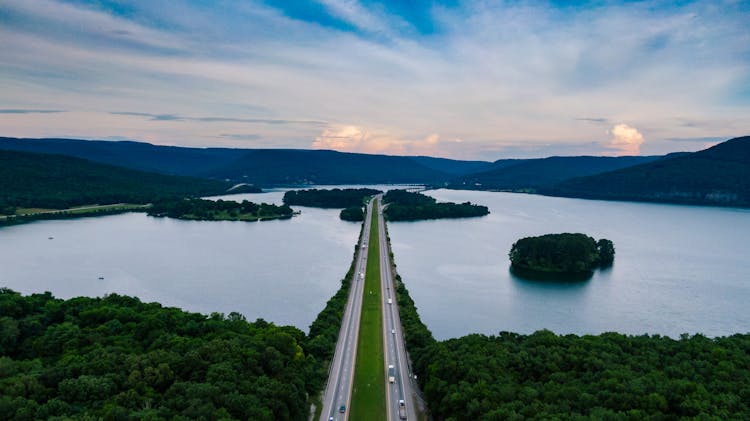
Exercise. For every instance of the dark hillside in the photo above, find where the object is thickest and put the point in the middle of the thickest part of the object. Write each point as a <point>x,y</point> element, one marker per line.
<point>716,176</point>
<point>532,174</point>
<point>57,182</point>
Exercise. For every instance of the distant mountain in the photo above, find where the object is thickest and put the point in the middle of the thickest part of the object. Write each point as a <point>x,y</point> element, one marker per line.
<point>298,166</point>
<point>533,174</point>
<point>136,155</point>
<point>259,166</point>
<point>452,166</point>
<point>54,181</point>
<point>719,175</point>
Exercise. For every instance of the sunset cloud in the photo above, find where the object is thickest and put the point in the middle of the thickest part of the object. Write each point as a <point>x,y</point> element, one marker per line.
<point>626,140</point>
<point>349,138</point>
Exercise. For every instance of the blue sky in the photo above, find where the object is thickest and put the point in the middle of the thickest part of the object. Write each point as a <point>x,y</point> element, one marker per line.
<point>463,79</point>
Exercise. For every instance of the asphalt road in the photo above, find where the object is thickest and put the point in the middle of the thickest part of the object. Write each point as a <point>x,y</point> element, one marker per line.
<point>395,348</point>
<point>338,390</point>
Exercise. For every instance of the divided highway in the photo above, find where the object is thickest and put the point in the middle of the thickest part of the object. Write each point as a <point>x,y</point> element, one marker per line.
<point>340,377</point>
<point>401,389</point>
<point>400,394</point>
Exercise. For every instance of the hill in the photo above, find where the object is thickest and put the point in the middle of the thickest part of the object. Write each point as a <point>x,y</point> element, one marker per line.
<point>719,175</point>
<point>33,180</point>
<point>259,166</point>
<point>533,174</point>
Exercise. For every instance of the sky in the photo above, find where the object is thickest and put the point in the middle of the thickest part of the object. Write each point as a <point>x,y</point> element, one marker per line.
<point>459,79</point>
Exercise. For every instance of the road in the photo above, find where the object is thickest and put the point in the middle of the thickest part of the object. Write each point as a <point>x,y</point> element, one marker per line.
<point>340,378</point>
<point>395,348</point>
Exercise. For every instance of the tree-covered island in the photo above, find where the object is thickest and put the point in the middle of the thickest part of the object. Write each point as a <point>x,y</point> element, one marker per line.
<point>333,198</point>
<point>353,214</point>
<point>407,206</point>
<point>564,254</point>
<point>220,210</point>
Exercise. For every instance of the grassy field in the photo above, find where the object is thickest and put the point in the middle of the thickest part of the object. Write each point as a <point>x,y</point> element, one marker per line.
<point>368,396</point>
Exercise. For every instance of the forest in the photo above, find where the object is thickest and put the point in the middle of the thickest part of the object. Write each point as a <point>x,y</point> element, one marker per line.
<point>408,206</point>
<point>119,358</point>
<point>219,210</point>
<point>333,198</point>
<point>561,253</point>
<point>31,180</point>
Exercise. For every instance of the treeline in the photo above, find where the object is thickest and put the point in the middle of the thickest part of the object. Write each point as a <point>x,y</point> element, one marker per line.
<point>407,206</point>
<point>119,358</point>
<point>31,180</point>
<point>219,210</point>
<point>354,214</point>
<point>565,253</point>
<point>333,198</point>
<point>609,376</point>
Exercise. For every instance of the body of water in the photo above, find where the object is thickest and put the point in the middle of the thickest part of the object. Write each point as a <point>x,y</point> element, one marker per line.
<point>678,269</point>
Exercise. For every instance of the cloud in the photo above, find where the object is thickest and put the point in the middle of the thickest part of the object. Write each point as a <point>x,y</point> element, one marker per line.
<point>495,74</point>
<point>175,117</point>
<point>626,140</point>
<point>594,119</point>
<point>23,111</point>
<point>241,136</point>
<point>350,138</point>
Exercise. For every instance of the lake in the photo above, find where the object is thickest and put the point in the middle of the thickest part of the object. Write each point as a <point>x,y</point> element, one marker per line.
<point>678,269</point>
<point>283,271</point>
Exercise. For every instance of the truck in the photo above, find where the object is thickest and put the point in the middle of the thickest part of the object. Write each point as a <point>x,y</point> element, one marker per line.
<point>391,374</point>
<point>401,409</point>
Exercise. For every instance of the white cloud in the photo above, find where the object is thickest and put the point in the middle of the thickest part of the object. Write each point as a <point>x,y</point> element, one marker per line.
<point>626,140</point>
<point>350,138</point>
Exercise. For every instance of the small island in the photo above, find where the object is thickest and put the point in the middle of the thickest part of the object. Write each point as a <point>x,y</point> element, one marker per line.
<point>333,198</point>
<point>408,206</point>
<point>353,214</point>
<point>560,254</point>
<point>219,210</point>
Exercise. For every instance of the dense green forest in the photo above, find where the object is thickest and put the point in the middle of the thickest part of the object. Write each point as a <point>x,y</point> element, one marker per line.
<point>354,214</point>
<point>333,198</point>
<point>219,210</point>
<point>719,175</point>
<point>408,206</point>
<point>561,253</point>
<point>608,377</point>
<point>118,358</point>
<point>31,180</point>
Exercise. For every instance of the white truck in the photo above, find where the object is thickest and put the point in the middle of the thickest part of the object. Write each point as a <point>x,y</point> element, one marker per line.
<point>401,409</point>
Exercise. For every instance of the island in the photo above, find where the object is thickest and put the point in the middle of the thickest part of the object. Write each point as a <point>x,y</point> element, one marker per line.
<point>560,254</point>
<point>402,205</point>
<point>333,198</point>
<point>354,214</point>
<point>219,210</point>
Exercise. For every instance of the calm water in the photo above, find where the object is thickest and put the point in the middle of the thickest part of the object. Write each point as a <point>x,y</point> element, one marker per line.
<point>282,271</point>
<point>678,269</point>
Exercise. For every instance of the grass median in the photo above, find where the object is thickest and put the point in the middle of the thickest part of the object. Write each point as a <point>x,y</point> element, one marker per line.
<point>368,395</point>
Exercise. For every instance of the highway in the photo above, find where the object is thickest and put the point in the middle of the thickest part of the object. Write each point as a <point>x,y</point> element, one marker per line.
<point>338,390</point>
<point>395,348</point>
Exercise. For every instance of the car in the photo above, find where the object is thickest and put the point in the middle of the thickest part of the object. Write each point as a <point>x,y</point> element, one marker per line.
<point>393,331</point>
<point>342,408</point>
<point>330,419</point>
